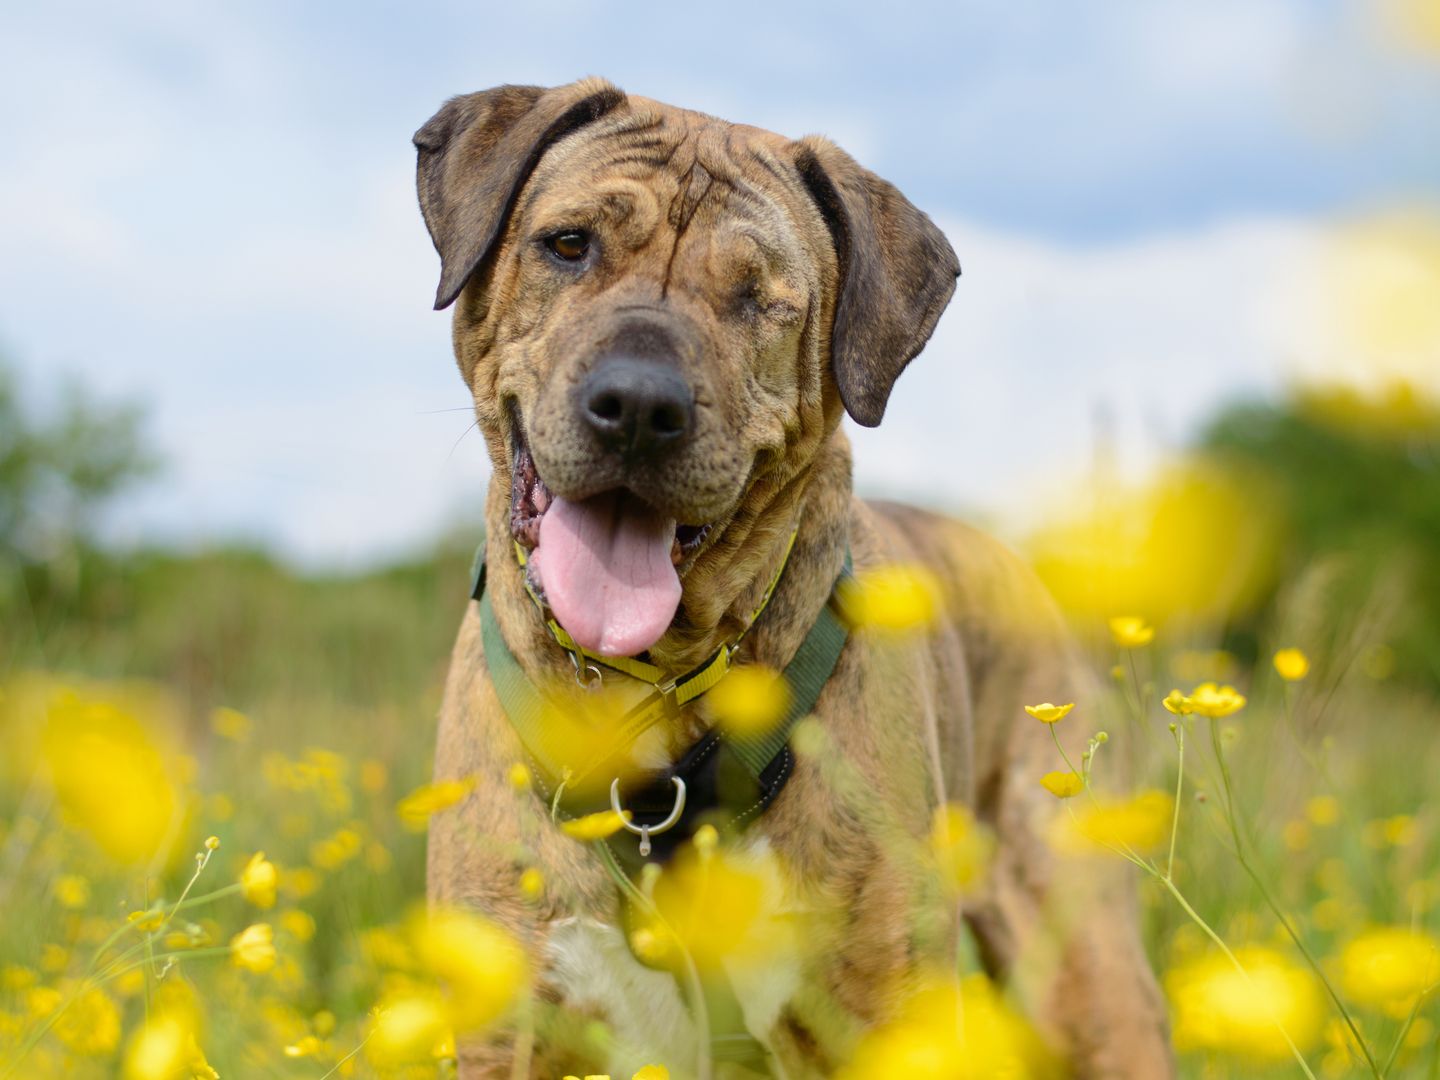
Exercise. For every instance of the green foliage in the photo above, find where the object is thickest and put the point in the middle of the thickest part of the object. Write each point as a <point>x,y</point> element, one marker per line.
<point>58,469</point>
<point>1361,496</point>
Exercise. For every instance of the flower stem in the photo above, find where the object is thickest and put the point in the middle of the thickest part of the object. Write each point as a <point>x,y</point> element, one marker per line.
<point>1066,757</point>
<point>1405,1030</point>
<point>1179,784</point>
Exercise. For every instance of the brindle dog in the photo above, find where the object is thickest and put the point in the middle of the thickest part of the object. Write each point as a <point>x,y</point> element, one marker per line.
<point>662,317</point>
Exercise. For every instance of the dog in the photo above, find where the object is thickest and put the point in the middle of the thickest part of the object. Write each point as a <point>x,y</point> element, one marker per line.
<point>662,318</point>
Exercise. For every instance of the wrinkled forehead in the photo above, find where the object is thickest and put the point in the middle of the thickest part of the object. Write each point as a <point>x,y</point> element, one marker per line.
<point>653,169</point>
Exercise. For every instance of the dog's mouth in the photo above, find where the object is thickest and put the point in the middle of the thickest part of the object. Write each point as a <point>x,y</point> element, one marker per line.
<point>608,567</point>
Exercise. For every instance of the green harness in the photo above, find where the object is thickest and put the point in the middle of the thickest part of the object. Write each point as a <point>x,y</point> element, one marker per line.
<point>725,779</point>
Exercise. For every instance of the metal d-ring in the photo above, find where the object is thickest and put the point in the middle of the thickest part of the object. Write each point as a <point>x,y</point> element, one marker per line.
<point>587,675</point>
<point>646,831</point>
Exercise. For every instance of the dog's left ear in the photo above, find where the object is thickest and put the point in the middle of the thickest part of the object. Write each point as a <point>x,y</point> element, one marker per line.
<point>475,155</point>
<point>897,273</point>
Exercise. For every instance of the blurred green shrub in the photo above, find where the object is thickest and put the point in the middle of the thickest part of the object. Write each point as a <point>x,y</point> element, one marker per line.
<point>1359,481</point>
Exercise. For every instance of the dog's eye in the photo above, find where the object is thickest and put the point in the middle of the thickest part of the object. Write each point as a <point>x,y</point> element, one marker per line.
<point>572,245</point>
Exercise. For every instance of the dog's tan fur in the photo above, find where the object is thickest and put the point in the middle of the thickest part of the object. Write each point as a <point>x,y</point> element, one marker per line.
<point>799,286</point>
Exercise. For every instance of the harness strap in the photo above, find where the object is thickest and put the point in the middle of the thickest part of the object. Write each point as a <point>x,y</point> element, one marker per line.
<point>764,762</point>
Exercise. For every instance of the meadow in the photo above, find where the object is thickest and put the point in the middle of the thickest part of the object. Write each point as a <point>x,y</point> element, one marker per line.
<point>213,783</point>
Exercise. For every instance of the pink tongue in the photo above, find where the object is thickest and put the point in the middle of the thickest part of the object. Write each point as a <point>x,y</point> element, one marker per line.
<point>605,566</point>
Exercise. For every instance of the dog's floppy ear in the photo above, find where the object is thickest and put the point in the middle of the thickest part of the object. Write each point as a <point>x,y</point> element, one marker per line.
<point>475,155</point>
<point>897,273</point>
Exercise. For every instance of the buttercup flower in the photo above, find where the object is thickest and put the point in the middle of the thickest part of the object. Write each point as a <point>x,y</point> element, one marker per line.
<point>1178,703</point>
<point>72,891</point>
<point>165,1049</point>
<point>254,948</point>
<point>1049,714</point>
<point>407,1029</point>
<point>91,1026</point>
<point>482,968</point>
<point>1218,1008</point>
<point>892,598</point>
<point>1138,823</point>
<point>1216,702</point>
<point>420,805</point>
<point>1131,631</point>
<point>1292,664</point>
<point>750,699</point>
<point>594,826</point>
<point>1063,785</point>
<point>258,881</point>
<point>924,1038</point>
<point>1388,966</point>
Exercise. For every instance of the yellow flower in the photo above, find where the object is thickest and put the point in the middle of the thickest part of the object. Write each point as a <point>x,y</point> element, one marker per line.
<point>1178,703</point>
<point>1131,631</point>
<point>719,905</point>
<point>72,891</point>
<point>146,921</point>
<point>1063,785</point>
<point>230,724</point>
<point>1162,549</point>
<point>1323,810</point>
<point>91,1025</point>
<point>300,925</point>
<point>1388,966</point>
<point>1216,1008</point>
<point>307,1046</point>
<point>532,883</point>
<point>254,948</point>
<point>1138,823</point>
<point>1292,664</point>
<point>15,977</point>
<point>750,700</point>
<point>893,598</point>
<point>962,847</point>
<point>595,826</point>
<point>1049,714</point>
<point>482,967</point>
<point>110,779</point>
<point>925,1040</point>
<point>652,1072</point>
<point>407,1028</point>
<point>519,776</point>
<point>258,881</point>
<point>156,1052</point>
<point>1216,702</point>
<point>706,839</point>
<point>212,843</point>
<point>416,809</point>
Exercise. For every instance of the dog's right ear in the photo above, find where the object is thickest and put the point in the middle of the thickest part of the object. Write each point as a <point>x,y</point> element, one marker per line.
<point>475,155</point>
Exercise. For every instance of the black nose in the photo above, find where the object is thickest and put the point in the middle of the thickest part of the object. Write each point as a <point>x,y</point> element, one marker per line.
<point>636,406</point>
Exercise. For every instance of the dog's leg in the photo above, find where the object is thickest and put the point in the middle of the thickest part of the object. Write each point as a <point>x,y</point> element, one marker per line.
<point>1063,934</point>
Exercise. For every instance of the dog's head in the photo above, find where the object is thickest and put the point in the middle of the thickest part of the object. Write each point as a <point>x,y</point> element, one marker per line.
<point>660,318</point>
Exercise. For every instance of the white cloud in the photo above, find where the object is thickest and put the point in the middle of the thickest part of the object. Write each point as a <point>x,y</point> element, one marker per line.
<point>1047,355</point>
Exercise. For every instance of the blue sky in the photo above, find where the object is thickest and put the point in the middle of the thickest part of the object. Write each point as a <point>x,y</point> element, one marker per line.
<point>210,209</point>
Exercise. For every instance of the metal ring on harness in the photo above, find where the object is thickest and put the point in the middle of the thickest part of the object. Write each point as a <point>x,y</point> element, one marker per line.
<point>587,675</point>
<point>645,831</point>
